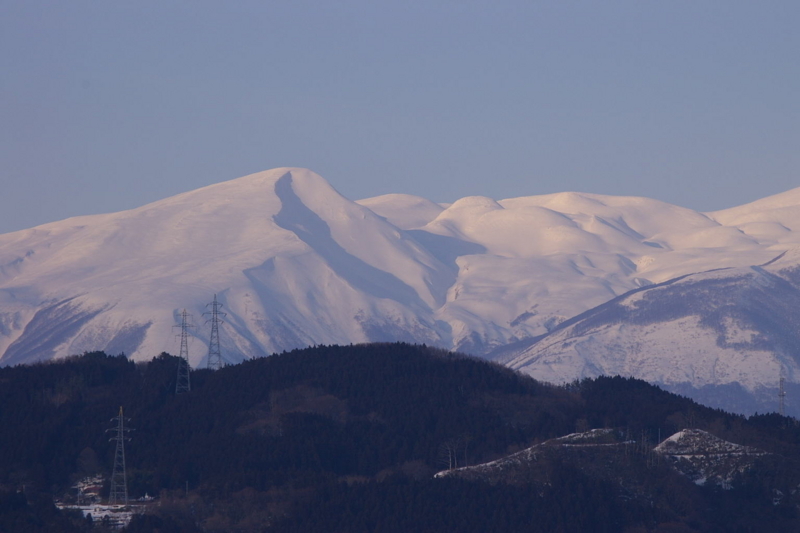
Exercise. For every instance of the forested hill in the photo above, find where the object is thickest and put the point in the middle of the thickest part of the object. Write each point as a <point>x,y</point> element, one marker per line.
<point>347,439</point>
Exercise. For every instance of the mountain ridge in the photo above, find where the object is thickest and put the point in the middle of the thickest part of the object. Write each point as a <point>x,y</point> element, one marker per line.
<point>296,264</point>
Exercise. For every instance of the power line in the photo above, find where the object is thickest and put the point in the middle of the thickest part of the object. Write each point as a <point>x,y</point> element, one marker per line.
<point>119,482</point>
<point>183,384</point>
<point>215,359</point>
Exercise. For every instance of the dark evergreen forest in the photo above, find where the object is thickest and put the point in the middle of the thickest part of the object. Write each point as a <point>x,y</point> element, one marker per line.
<point>347,438</point>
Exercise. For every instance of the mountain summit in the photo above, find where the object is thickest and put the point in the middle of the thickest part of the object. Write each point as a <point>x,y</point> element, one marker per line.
<point>293,261</point>
<point>295,264</point>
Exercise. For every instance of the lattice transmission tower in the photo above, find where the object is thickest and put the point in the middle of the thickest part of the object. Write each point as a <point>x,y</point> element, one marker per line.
<point>119,482</point>
<point>781,396</point>
<point>183,384</point>
<point>215,359</point>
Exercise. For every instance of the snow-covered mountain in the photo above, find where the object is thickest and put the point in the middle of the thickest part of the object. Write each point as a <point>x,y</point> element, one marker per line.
<point>723,337</point>
<point>295,264</point>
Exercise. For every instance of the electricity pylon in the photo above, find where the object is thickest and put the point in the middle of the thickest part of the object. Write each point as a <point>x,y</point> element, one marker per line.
<point>182,384</point>
<point>781,396</point>
<point>119,482</point>
<point>215,360</point>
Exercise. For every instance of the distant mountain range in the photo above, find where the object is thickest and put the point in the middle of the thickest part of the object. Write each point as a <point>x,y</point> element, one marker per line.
<point>561,286</point>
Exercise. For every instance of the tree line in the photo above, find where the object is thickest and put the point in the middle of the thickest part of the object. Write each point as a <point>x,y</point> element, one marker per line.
<point>313,439</point>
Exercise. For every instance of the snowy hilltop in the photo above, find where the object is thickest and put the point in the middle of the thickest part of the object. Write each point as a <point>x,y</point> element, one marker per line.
<point>697,454</point>
<point>704,458</point>
<point>296,264</point>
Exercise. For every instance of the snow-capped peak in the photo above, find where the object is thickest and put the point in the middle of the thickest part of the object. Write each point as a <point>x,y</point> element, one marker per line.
<point>295,263</point>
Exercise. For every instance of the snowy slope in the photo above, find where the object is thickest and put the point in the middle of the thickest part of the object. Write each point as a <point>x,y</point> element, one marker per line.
<point>598,453</point>
<point>544,259</point>
<point>686,353</point>
<point>732,327</point>
<point>293,261</point>
<point>295,264</point>
<point>697,454</point>
<point>403,210</point>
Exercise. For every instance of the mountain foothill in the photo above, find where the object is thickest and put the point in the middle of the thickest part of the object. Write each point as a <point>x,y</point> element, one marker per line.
<point>350,438</point>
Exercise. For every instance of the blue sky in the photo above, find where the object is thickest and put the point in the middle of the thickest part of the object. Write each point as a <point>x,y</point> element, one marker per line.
<point>106,106</point>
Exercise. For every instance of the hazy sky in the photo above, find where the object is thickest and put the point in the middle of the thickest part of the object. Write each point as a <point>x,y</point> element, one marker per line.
<point>106,106</point>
